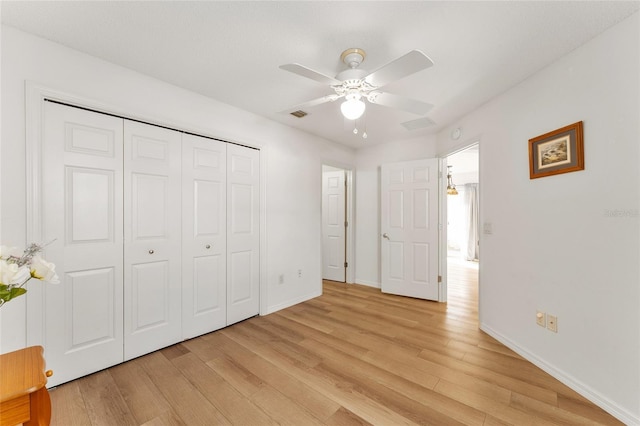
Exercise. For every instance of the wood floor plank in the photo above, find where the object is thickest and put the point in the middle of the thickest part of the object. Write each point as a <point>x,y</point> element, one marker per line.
<point>283,410</point>
<point>139,392</point>
<point>188,403</point>
<point>539,392</point>
<point>413,401</point>
<point>344,417</point>
<point>69,406</point>
<point>168,418</point>
<point>366,408</point>
<point>104,402</point>
<point>314,402</point>
<point>497,409</point>
<point>549,412</point>
<point>231,403</point>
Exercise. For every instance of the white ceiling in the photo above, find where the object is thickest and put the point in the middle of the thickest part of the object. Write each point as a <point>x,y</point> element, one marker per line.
<point>231,51</point>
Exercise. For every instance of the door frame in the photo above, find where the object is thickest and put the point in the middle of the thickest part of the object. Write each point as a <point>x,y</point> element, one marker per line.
<point>443,263</point>
<point>350,231</point>
<point>35,96</point>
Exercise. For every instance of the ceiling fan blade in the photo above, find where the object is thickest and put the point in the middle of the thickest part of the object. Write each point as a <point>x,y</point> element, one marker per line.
<point>408,64</point>
<point>309,104</point>
<point>400,102</point>
<point>309,73</point>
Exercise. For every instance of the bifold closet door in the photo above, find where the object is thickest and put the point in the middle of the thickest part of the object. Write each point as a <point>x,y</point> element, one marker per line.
<point>204,235</point>
<point>243,233</point>
<point>152,238</point>
<point>81,318</point>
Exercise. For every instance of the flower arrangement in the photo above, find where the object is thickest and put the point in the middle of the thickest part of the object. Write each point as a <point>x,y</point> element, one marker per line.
<point>17,268</point>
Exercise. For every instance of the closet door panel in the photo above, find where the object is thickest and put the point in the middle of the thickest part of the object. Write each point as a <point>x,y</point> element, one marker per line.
<point>243,233</point>
<point>204,235</point>
<point>81,317</point>
<point>152,215</point>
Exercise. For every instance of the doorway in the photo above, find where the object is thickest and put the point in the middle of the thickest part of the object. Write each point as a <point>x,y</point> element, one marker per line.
<point>336,224</point>
<point>463,233</point>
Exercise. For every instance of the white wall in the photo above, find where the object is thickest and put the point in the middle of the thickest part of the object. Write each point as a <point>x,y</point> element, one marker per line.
<point>367,212</point>
<point>294,159</point>
<point>568,244</point>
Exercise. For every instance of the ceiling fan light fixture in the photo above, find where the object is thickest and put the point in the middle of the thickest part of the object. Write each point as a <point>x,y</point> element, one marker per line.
<point>353,107</point>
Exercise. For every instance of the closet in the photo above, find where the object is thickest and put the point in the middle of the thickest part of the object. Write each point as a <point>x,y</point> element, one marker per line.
<point>156,238</point>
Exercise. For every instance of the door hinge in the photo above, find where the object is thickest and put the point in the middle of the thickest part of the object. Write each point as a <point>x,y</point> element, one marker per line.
<point>346,264</point>
<point>346,224</point>
<point>439,278</point>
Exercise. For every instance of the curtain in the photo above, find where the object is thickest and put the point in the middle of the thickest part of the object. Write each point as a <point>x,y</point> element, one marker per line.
<point>473,234</point>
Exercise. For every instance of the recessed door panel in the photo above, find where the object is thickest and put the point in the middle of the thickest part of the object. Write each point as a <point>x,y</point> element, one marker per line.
<point>89,205</point>
<point>396,209</point>
<point>149,206</point>
<point>240,279</point>
<point>91,140</point>
<point>89,308</point>
<point>420,208</point>
<point>334,249</point>
<point>240,208</point>
<point>420,252</point>
<point>208,285</point>
<point>150,294</point>
<point>207,199</point>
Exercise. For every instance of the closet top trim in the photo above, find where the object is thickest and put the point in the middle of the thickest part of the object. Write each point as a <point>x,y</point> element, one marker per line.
<point>146,122</point>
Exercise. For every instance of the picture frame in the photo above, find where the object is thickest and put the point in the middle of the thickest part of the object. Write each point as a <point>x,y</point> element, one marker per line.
<point>556,152</point>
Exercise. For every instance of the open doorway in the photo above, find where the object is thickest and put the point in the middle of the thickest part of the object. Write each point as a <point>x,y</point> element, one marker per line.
<point>336,224</point>
<point>463,233</point>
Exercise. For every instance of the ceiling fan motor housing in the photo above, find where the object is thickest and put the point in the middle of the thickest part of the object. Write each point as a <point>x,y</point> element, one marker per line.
<point>353,57</point>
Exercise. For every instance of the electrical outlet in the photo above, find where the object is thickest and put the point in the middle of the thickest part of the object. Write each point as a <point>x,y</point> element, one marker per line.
<point>281,279</point>
<point>541,319</point>
<point>552,323</point>
<point>299,273</point>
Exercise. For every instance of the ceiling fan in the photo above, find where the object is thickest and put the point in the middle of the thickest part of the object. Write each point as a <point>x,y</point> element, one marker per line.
<point>356,84</point>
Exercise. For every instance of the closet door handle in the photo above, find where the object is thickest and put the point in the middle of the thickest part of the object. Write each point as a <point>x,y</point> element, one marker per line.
<point>151,251</point>
<point>385,235</point>
<point>208,246</point>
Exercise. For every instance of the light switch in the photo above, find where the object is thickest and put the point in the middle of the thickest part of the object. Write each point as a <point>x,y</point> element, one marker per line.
<point>487,228</point>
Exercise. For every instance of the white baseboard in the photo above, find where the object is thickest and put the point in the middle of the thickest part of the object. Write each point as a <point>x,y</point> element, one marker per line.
<point>601,401</point>
<point>368,283</point>
<point>291,302</point>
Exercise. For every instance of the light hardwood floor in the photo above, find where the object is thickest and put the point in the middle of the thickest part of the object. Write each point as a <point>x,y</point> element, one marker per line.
<point>352,356</point>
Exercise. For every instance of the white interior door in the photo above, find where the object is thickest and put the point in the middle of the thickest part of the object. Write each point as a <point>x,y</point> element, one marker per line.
<point>204,237</point>
<point>333,225</point>
<point>243,233</point>
<point>409,227</point>
<point>82,212</point>
<point>152,224</point>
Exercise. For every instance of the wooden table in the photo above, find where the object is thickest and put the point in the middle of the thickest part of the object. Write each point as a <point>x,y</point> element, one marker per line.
<point>23,395</point>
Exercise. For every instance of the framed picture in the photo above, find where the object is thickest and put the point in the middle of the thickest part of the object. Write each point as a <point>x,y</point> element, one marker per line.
<point>559,151</point>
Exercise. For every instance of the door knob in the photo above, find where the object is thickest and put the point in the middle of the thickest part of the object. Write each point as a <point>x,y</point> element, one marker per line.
<point>151,251</point>
<point>208,246</point>
<point>385,235</point>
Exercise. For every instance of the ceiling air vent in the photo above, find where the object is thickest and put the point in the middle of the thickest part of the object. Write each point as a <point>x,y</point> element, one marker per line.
<point>299,113</point>
<point>418,124</point>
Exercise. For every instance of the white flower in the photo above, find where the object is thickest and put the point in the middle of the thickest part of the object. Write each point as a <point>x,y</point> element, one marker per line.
<point>43,270</point>
<point>6,252</point>
<point>10,273</point>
